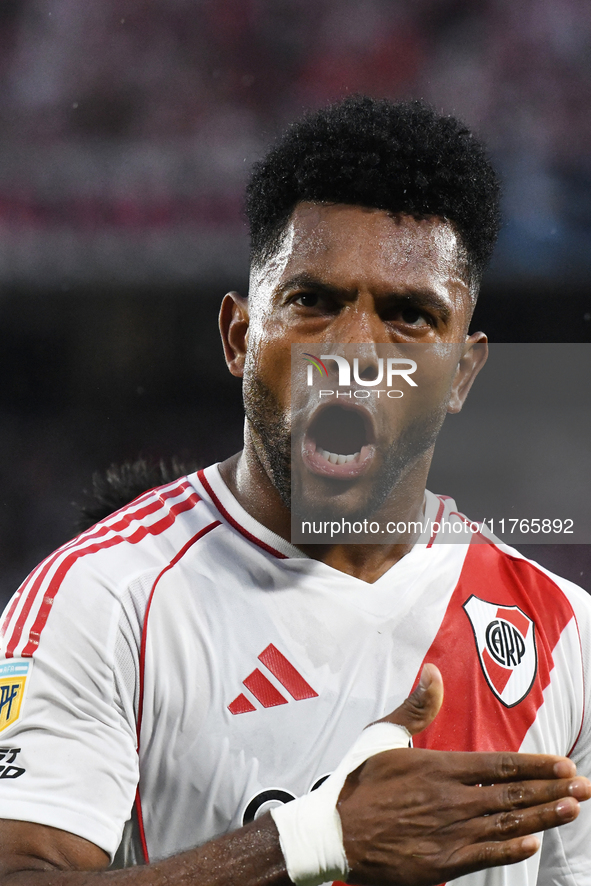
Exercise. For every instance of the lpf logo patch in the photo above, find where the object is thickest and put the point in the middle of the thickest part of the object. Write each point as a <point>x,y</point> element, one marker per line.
<point>13,682</point>
<point>506,646</point>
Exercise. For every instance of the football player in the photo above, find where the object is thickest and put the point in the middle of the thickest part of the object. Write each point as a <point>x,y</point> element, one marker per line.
<point>181,675</point>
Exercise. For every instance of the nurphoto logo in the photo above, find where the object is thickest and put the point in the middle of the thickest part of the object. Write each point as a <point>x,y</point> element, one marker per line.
<point>386,372</point>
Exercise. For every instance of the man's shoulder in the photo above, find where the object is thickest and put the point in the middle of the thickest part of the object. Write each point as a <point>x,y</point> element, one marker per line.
<point>94,571</point>
<point>492,562</point>
<point>145,535</point>
<point>497,565</point>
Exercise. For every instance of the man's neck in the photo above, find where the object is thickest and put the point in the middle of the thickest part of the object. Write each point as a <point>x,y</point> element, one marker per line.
<point>250,484</point>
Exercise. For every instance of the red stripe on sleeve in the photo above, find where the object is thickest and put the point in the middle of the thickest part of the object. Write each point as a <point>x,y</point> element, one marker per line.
<point>134,538</point>
<point>10,611</point>
<point>80,547</point>
<point>38,577</point>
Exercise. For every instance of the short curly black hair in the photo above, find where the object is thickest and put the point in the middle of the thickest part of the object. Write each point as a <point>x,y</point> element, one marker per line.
<point>401,157</point>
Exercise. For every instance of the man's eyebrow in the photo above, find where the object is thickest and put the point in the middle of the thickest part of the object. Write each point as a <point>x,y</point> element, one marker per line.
<point>423,298</point>
<point>305,280</point>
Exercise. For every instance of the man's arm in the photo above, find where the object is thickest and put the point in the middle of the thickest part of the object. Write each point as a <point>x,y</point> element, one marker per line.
<point>412,818</point>
<point>36,855</point>
<point>409,816</point>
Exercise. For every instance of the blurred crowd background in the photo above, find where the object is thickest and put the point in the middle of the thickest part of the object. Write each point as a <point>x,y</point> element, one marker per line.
<point>127,129</point>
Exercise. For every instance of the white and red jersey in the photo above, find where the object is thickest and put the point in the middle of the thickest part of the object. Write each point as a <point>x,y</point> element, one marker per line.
<point>177,669</point>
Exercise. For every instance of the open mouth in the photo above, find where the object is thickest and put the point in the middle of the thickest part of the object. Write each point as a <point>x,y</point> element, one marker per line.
<point>339,442</point>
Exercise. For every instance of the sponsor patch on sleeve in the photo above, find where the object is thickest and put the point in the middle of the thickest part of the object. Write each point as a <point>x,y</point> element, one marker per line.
<point>13,682</point>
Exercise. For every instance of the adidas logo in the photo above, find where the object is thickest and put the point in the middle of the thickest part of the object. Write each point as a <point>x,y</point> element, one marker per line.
<point>266,692</point>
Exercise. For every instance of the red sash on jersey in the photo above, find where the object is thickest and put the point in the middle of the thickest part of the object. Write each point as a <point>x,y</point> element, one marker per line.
<point>472,716</point>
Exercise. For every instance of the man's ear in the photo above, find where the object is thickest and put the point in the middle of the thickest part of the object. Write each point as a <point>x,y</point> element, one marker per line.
<point>233,321</point>
<point>474,357</point>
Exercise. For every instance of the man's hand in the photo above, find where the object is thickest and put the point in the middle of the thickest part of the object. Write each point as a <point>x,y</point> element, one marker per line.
<point>410,817</point>
<point>419,817</point>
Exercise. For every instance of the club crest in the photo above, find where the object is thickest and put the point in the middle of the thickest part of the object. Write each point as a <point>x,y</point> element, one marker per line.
<point>506,645</point>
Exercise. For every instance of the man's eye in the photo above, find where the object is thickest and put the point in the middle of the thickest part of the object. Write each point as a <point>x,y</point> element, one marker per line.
<point>414,317</point>
<point>307,300</point>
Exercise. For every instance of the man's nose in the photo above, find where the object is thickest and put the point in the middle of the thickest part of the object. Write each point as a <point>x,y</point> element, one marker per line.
<point>368,364</point>
<point>360,323</point>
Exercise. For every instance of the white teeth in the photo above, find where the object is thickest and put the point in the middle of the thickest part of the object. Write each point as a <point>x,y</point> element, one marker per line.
<point>335,459</point>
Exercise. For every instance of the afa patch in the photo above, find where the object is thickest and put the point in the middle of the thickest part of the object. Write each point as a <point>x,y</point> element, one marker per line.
<point>13,683</point>
<point>506,644</point>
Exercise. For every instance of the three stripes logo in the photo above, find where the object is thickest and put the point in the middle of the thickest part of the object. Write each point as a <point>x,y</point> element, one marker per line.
<point>265,692</point>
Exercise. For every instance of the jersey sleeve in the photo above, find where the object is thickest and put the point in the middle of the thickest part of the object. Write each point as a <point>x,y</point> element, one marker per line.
<point>566,853</point>
<point>68,753</point>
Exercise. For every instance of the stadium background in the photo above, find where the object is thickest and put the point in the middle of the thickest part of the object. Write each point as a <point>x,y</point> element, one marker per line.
<point>127,129</point>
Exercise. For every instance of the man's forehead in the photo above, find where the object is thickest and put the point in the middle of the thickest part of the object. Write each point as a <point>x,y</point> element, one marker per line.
<point>343,241</point>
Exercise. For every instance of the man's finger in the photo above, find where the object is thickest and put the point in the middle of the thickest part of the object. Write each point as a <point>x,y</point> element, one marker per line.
<point>520,822</point>
<point>473,767</point>
<point>509,837</point>
<point>422,706</point>
<point>525,794</point>
<point>487,855</point>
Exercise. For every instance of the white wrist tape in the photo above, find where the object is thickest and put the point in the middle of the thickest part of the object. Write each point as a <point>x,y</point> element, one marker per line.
<point>309,828</point>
